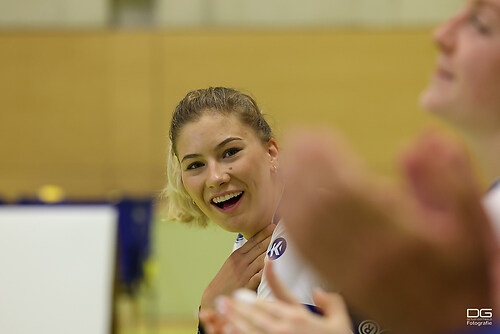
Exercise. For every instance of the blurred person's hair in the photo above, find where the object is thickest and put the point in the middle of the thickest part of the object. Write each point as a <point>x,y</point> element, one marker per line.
<point>226,101</point>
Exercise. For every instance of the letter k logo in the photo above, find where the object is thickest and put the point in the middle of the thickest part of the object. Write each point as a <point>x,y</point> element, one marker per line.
<point>277,248</point>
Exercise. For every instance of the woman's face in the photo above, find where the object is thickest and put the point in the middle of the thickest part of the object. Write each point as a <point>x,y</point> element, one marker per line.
<point>229,173</point>
<point>466,85</point>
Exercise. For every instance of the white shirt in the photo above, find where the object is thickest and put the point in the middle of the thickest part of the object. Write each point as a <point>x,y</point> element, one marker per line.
<point>296,274</point>
<point>491,203</point>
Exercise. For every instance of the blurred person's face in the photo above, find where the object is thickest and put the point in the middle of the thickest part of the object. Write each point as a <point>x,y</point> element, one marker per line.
<point>465,88</point>
<point>229,172</point>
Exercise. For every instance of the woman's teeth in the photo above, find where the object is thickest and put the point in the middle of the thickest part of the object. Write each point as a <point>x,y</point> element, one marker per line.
<point>224,198</point>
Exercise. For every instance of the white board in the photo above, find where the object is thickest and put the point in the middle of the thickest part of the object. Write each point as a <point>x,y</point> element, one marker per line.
<point>56,269</point>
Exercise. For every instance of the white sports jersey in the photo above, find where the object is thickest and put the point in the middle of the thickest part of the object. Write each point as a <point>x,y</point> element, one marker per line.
<point>240,241</point>
<point>295,273</point>
<point>491,203</point>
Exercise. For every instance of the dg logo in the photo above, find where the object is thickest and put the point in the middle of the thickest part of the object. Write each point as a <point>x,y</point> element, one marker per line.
<point>277,249</point>
<point>369,327</point>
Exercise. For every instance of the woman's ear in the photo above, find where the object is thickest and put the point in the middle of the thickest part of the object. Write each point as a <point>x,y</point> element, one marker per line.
<point>274,154</point>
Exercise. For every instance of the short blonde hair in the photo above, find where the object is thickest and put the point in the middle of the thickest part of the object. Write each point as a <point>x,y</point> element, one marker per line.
<point>180,206</point>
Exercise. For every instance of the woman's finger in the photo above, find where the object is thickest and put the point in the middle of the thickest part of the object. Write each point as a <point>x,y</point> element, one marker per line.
<point>254,282</point>
<point>257,239</point>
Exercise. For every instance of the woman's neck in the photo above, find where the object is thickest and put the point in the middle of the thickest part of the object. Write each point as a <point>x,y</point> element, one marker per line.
<point>486,146</point>
<point>272,214</point>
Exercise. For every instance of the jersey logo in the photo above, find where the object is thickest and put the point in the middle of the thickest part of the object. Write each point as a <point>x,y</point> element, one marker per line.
<point>277,249</point>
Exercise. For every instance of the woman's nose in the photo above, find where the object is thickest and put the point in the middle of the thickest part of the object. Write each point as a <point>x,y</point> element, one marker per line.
<point>445,35</point>
<point>218,175</point>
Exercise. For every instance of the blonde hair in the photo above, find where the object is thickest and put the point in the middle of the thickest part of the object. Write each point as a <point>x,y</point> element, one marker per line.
<point>180,206</point>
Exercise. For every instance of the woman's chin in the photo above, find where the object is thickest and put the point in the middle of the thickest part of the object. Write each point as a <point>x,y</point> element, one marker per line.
<point>234,225</point>
<point>433,102</point>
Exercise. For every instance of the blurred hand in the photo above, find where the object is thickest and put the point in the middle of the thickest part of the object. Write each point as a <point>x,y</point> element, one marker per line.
<point>277,317</point>
<point>285,315</point>
<point>213,322</point>
<point>414,259</point>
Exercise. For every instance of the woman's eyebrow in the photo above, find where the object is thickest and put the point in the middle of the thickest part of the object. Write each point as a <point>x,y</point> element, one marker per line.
<point>491,4</point>
<point>190,156</point>
<point>225,141</point>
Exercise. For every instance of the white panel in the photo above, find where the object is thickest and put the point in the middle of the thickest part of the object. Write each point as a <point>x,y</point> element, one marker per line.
<point>181,12</point>
<point>282,12</point>
<point>490,202</point>
<point>425,12</point>
<point>375,12</point>
<point>299,13</point>
<point>57,268</point>
<point>339,12</point>
<point>53,13</point>
<point>86,13</point>
<point>28,12</point>
<point>235,13</point>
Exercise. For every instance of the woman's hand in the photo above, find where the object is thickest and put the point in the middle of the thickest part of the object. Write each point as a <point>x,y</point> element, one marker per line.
<point>242,269</point>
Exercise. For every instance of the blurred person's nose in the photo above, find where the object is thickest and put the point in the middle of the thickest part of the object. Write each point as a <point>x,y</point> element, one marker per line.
<point>445,35</point>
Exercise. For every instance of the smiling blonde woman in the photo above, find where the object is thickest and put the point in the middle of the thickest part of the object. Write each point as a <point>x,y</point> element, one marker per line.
<point>223,167</point>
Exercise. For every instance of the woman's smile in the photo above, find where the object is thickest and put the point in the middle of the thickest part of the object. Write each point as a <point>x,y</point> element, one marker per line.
<point>227,202</point>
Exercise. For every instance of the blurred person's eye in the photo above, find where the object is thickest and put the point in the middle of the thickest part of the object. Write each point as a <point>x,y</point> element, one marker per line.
<point>476,20</point>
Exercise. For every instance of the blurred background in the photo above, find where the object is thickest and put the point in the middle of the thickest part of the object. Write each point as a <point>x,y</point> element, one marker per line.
<point>87,89</point>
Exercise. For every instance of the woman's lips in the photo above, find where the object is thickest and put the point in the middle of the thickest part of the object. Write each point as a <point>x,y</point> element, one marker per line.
<point>443,74</point>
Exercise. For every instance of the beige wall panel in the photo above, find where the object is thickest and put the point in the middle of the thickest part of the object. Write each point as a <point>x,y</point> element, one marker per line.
<point>97,104</point>
<point>130,99</point>
<point>52,120</point>
<point>77,112</point>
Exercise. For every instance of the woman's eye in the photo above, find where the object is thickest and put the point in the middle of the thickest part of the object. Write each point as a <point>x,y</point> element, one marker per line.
<point>194,165</point>
<point>478,24</point>
<point>230,152</point>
